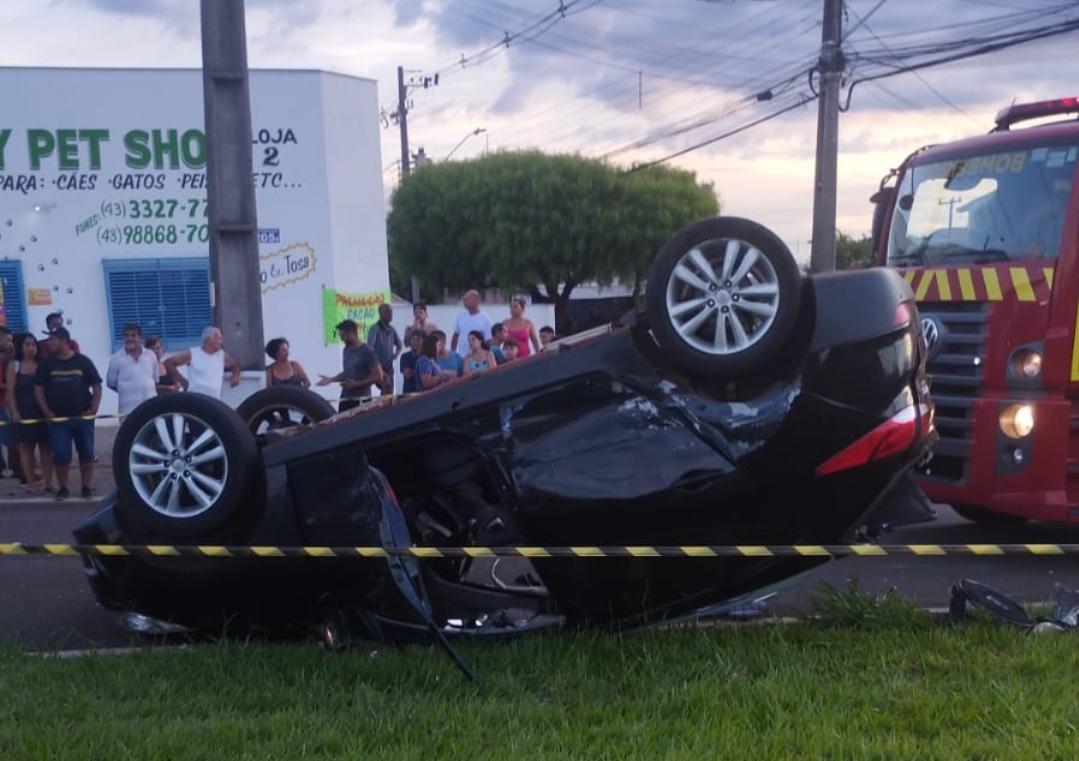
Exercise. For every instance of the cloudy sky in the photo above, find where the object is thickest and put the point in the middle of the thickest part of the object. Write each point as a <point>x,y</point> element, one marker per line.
<point>632,81</point>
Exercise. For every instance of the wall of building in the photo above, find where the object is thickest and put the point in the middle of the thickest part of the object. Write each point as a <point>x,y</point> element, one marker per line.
<point>105,165</point>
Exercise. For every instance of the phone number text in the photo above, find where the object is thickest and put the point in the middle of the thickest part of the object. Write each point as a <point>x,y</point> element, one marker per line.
<point>143,235</point>
<point>156,208</point>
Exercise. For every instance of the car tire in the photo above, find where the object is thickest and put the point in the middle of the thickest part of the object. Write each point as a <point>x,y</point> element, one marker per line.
<point>186,468</point>
<point>980,515</point>
<point>283,406</point>
<point>723,296</point>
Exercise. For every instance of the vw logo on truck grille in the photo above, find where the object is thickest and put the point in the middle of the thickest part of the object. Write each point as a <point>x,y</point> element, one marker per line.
<point>931,332</point>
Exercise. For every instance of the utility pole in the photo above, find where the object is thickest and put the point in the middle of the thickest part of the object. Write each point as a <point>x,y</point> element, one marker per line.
<point>402,120</point>
<point>822,253</point>
<point>406,157</point>
<point>234,252</point>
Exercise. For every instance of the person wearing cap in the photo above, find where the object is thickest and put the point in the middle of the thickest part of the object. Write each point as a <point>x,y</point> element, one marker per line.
<point>53,320</point>
<point>206,365</point>
<point>360,367</point>
<point>67,388</point>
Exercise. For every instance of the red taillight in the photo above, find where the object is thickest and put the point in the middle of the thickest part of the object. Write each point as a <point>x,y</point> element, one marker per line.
<point>903,315</point>
<point>890,437</point>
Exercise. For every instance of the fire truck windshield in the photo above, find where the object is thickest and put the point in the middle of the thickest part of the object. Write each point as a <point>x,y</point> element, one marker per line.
<point>982,208</point>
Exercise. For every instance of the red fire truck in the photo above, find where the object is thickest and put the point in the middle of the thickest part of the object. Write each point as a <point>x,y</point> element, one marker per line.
<point>986,230</point>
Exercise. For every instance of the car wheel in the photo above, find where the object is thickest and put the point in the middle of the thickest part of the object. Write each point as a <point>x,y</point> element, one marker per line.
<point>723,296</point>
<point>283,407</point>
<point>186,467</point>
<point>976,514</point>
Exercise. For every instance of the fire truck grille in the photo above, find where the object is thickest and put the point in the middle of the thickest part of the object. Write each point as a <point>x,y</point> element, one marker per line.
<point>956,353</point>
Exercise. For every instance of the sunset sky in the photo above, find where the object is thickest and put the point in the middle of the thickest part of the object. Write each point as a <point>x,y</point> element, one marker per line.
<point>626,80</point>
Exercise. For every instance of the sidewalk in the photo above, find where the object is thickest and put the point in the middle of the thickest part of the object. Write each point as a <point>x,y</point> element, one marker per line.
<point>104,436</point>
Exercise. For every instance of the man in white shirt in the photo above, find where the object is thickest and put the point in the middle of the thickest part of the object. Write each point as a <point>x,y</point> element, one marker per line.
<point>472,318</point>
<point>132,372</point>
<point>206,365</point>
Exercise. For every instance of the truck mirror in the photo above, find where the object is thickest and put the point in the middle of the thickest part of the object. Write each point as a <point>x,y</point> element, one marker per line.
<point>882,199</point>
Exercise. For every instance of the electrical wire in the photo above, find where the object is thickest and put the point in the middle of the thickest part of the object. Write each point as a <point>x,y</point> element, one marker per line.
<point>544,24</point>
<point>694,67</point>
<point>863,22</point>
<point>730,133</point>
<point>746,38</point>
<point>994,44</point>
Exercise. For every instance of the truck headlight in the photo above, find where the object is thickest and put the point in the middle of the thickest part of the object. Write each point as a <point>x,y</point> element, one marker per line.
<point>1027,364</point>
<point>1017,421</point>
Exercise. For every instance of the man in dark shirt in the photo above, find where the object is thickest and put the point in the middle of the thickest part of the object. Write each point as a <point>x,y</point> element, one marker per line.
<point>68,390</point>
<point>408,361</point>
<point>53,320</point>
<point>361,367</point>
<point>384,341</point>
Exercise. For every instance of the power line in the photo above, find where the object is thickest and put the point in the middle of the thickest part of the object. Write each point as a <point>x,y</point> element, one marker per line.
<point>491,51</point>
<point>681,67</point>
<point>996,43</point>
<point>862,21</point>
<point>803,101</point>
<point>745,38</point>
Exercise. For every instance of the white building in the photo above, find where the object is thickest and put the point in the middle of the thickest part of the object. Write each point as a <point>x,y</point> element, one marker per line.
<point>103,207</point>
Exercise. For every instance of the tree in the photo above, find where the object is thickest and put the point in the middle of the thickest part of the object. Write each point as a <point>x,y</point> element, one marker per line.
<point>536,222</point>
<point>851,254</point>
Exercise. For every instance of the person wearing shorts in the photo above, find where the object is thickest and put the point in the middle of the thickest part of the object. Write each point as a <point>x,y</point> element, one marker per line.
<point>68,390</point>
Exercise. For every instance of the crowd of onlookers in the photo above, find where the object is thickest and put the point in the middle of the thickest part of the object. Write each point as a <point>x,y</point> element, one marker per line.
<point>51,391</point>
<point>49,397</point>
<point>432,358</point>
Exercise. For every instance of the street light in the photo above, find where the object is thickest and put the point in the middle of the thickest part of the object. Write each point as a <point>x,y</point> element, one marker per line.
<point>477,131</point>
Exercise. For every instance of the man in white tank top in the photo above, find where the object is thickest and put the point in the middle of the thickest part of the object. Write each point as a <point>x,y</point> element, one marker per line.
<point>206,365</point>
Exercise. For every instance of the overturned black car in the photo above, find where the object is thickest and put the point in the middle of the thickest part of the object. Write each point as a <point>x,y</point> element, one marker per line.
<point>745,405</point>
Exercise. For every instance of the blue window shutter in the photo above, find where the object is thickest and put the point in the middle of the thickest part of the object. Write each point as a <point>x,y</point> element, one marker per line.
<point>168,298</point>
<point>14,296</point>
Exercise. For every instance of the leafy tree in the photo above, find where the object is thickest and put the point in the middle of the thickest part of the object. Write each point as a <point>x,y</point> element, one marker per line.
<point>851,254</point>
<point>529,220</point>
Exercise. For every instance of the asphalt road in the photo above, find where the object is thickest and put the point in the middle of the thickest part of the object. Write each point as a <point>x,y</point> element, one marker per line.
<point>928,580</point>
<point>46,604</point>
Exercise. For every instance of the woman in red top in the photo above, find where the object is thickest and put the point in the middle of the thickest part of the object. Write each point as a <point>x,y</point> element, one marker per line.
<point>520,328</point>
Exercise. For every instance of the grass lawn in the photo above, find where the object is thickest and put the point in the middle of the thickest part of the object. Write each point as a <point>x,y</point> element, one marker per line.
<point>927,691</point>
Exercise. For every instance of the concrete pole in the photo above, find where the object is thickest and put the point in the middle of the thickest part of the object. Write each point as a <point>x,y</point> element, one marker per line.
<point>402,120</point>
<point>234,254</point>
<point>822,252</point>
<point>406,158</point>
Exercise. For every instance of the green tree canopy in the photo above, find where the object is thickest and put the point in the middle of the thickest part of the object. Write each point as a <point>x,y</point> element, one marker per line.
<point>851,253</point>
<point>525,220</point>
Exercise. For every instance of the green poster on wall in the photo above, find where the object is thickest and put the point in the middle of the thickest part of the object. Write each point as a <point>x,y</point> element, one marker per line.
<point>361,307</point>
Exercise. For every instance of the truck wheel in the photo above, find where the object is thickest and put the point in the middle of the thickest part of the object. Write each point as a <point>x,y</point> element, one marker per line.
<point>283,407</point>
<point>723,296</point>
<point>976,514</point>
<point>186,468</point>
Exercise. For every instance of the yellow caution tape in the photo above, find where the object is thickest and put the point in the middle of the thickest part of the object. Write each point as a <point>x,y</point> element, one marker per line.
<point>635,551</point>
